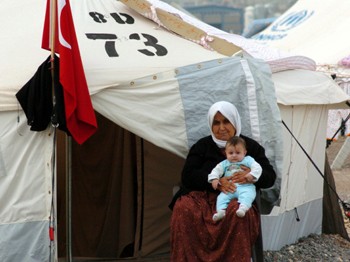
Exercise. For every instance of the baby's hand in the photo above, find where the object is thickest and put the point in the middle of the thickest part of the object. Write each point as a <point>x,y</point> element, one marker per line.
<point>215,183</point>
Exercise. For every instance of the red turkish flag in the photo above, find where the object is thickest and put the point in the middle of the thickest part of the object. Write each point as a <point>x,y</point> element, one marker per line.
<point>80,115</point>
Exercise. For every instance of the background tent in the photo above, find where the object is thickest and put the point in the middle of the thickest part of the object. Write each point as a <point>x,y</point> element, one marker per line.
<point>123,177</point>
<point>257,25</point>
<point>317,30</point>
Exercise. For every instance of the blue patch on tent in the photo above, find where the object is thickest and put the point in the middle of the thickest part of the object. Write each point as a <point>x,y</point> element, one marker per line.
<point>280,28</point>
<point>291,20</point>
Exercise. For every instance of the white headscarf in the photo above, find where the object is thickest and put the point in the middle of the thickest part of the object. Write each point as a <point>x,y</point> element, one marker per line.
<point>229,111</point>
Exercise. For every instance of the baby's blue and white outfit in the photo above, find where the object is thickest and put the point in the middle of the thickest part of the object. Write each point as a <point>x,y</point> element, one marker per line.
<point>245,193</point>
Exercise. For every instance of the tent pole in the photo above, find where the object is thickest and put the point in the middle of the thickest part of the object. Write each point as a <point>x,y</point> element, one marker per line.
<point>68,198</point>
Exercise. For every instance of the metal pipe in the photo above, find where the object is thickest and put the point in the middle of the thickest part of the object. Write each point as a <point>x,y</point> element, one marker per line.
<point>68,198</point>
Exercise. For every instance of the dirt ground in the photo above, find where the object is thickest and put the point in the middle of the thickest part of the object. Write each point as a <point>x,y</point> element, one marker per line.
<point>341,176</point>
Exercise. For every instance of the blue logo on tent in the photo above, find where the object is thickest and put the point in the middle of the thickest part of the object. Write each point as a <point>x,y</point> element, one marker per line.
<point>291,20</point>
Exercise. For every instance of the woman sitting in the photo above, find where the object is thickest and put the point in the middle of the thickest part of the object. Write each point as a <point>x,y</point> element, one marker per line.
<point>194,235</point>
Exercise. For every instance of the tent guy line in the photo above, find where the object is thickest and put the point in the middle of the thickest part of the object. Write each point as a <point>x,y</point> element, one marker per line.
<point>345,205</point>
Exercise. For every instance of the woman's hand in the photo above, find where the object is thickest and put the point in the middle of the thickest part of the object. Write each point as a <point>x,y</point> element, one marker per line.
<point>243,177</point>
<point>226,185</point>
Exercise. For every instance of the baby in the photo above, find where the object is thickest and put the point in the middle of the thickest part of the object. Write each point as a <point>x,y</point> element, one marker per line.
<point>235,151</point>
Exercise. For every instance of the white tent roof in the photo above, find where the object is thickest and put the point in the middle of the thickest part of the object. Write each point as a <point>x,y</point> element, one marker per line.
<point>316,29</point>
<point>103,71</point>
<point>116,73</point>
<point>302,87</point>
<point>210,37</point>
<point>22,59</point>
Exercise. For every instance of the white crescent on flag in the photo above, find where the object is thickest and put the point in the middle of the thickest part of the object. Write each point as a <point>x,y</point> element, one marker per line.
<point>61,4</point>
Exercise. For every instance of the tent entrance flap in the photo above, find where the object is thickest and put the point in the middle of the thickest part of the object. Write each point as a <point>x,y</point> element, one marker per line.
<point>120,195</point>
<point>103,193</point>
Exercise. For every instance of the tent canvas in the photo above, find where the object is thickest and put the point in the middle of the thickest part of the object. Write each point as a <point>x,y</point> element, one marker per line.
<point>128,90</point>
<point>310,29</point>
<point>316,30</point>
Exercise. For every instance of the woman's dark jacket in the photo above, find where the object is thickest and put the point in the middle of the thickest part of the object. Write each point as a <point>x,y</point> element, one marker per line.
<point>205,155</point>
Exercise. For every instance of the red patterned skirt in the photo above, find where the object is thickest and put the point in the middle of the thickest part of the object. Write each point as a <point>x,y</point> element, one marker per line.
<point>196,237</point>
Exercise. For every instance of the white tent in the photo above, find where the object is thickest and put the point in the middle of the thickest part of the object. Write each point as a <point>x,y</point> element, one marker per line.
<point>154,97</point>
<point>317,30</point>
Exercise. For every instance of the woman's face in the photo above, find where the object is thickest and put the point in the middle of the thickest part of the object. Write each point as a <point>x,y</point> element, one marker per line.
<point>222,127</point>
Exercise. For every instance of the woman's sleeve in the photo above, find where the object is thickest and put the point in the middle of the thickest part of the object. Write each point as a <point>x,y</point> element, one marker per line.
<point>197,168</point>
<point>268,175</point>
<point>216,173</point>
<point>255,170</point>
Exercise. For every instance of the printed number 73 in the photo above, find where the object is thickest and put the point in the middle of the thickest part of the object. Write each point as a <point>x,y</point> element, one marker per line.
<point>110,45</point>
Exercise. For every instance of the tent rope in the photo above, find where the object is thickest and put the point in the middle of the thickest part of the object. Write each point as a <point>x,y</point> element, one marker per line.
<point>346,206</point>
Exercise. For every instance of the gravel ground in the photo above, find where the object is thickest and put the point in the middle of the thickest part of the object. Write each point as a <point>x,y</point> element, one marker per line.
<point>313,248</point>
<point>321,247</point>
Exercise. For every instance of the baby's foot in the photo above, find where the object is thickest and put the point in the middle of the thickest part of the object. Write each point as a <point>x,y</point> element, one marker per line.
<point>242,210</point>
<point>219,215</point>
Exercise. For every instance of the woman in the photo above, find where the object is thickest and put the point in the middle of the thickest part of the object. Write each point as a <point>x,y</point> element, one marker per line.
<point>194,235</point>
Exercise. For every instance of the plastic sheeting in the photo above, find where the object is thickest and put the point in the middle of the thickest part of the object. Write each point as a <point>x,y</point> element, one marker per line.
<point>285,229</point>
<point>27,241</point>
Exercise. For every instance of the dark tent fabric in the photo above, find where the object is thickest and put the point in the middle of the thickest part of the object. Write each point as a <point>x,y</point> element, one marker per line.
<point>332,222</point>
<point>119,195</point>
<point>104,178</point>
